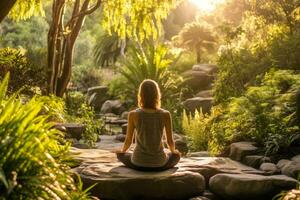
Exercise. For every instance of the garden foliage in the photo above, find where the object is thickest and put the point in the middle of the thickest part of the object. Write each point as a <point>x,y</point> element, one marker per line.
<point>250,50</point>
<point>24,75</point>
<point>72,109</point>
<point>149,61</point>
<point>31,153</point>
<point>267,114</point>
<point>84,77</point>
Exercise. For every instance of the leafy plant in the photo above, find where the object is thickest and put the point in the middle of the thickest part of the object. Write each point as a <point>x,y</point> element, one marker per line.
<point>150,61</point>
<point>259,43</point>
<point>193,127</point>
<point>31,153</point>
<point>24,75</point>
<point>86,116</point>
<point>107,49</point>
<point>84,77</point>
<point>53,107</point>
<point>265,114</point>
<point>78,111</point>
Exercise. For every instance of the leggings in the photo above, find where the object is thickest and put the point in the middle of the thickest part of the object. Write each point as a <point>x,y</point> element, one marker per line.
<point>125,158</point>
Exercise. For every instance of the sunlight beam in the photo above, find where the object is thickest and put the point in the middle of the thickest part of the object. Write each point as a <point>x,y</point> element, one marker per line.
<point>206,5</point>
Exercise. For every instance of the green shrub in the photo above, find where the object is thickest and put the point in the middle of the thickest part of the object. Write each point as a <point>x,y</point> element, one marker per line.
<point>53,107</point>
<point>31,153</point>
<point>265,114</point>
<point>74,100</point>
<point>72,109</point>
<point>84,77</point>
<point>251,50</point>
<point>86,116</point>
<point>149,61</point>
<point>185,62</point>
<point>24,75</point>
<point>192,126</point>
<point>78,111</point>
<point>116,87</point>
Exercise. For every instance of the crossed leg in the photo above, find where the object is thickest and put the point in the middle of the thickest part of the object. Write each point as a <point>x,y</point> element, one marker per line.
<point>125,158</point>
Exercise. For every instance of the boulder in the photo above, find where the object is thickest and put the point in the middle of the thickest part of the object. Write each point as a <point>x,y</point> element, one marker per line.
<point>97,89</point>
<point>113,106</point>
<point>289,168</point>
<point>269,168</point>
<point>249,186</point>
<point>208,68</point>
<point>197,103</point>
<point>124,115</point>
<point>296,158</point>
<point>114,181</point>
<point>239,150</point>
<point>120,137</point>
<point>181,146</point>
<point>281,163</point>
<point>205,94</point>
<point>97,96</point>
<point>73,130</point>
<point>255,160</point>
<point>127,184</point>
<point>197,80</point>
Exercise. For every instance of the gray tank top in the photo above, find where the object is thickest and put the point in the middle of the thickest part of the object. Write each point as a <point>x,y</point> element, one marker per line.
<point>149,150</point>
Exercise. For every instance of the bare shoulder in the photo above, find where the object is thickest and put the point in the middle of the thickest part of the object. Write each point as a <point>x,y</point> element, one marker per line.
<point>132,114</point>
<point>166,113</point>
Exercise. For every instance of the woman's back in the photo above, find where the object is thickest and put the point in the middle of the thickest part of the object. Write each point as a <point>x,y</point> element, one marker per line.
<point>149,151</point>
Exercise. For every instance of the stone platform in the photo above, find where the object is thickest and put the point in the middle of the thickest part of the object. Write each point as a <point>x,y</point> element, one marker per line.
<point>195,177</point>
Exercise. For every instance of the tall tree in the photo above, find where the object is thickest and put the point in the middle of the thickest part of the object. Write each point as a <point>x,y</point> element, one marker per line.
<point>61,40</point>
<point>195,37</point>
<point>280,11</point>
<point>136,19</point>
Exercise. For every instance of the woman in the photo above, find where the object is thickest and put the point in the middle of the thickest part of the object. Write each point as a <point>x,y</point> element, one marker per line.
<point>149,121</point>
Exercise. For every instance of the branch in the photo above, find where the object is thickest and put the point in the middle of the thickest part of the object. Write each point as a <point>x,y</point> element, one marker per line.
<point>84,11</point>
<point>89,11</point>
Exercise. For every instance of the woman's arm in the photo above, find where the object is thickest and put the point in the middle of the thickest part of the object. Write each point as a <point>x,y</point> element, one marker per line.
<point>129,132</point>
<point>168,127</point>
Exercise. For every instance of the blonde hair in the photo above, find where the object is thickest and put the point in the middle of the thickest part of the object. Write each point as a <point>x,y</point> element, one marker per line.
<point>149,94</point>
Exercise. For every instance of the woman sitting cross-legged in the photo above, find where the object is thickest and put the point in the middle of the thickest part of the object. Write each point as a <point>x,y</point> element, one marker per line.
<point>149,121</point>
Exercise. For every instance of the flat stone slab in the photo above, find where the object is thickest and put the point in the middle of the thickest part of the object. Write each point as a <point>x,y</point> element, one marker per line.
<point>249,186</point>
<point>239,150</point>
<point>115,181</point>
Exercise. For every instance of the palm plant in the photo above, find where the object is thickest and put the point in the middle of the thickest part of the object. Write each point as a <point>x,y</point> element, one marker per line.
<point>31,164</point>
<point>196,37</point>
<point>149,61</point>
<point>107,49</point>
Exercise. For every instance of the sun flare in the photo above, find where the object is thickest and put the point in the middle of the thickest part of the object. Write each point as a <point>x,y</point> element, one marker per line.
<point>206,5</point>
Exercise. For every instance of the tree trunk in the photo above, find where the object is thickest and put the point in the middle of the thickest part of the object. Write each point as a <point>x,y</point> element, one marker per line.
<point>5,7</point>
<point>61,40</point>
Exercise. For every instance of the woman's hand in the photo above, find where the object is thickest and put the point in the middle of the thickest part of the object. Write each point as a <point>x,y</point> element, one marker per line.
<point>175,151</point>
